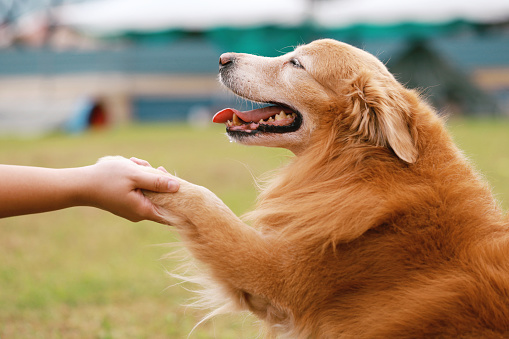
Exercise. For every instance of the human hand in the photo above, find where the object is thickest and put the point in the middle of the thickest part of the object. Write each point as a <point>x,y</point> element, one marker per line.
<point>115,184</point>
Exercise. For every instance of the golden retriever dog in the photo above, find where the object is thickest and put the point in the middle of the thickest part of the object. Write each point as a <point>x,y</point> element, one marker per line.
<point>377,228</point>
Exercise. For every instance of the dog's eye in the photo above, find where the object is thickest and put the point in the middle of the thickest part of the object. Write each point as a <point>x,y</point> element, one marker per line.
<point>296,63</point>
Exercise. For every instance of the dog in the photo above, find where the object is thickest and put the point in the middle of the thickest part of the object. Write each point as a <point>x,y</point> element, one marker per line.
<point>377,228</point>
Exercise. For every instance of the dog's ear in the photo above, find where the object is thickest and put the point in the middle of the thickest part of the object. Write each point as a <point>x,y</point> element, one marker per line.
<point>381,116</point>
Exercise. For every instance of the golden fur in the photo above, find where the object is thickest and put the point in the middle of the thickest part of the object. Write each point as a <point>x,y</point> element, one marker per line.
<point>377,228</point>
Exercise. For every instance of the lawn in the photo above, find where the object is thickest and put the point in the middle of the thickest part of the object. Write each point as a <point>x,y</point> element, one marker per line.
<point>83,273</point>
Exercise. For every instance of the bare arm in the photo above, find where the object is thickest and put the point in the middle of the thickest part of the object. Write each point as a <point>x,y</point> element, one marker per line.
<point>114,186</point>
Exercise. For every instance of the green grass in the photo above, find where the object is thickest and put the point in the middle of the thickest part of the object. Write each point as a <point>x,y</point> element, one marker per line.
<point>83,273</point>
<point>486,144</point>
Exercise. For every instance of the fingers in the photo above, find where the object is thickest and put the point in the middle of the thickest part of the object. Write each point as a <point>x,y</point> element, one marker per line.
<point>140,162</point>
<point>145,163</point>
<point>156,183</point>
<point>161,168</point>
<point>145,209</point>
<point>121,183</point>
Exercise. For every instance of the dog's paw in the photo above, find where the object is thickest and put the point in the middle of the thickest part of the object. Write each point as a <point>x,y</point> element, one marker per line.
<point>191,206</point>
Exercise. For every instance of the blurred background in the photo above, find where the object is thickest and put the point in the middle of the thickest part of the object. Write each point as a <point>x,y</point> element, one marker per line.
<point>83,79</point>
<point>68,64</point>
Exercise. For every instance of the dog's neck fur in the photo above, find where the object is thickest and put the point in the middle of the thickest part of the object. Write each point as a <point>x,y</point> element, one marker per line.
<point>342,167</point>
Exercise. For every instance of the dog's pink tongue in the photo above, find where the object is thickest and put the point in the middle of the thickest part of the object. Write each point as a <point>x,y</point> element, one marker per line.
<point>224,115</point>
<point>247,116</point>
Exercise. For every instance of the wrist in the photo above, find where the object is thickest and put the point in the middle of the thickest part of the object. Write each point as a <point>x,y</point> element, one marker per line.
<point>80,191</point>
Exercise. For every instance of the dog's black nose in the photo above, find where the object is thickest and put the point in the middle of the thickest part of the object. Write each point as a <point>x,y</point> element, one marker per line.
<point>226,59</point>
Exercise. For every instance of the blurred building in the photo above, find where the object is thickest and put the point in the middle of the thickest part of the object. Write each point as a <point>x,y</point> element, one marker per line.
<point>115,61</point>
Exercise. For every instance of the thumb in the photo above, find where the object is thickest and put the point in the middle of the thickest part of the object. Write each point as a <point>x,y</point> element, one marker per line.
<point>157,183</point>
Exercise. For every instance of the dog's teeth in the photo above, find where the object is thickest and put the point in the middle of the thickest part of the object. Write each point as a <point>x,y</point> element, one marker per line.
<point>236,120</point>
<point>281,116</point>
<point>228,123</point>
<point>271,119</point>
<point>261,121</point>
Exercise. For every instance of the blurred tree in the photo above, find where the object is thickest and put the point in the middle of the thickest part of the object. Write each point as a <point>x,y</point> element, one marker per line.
<point>11,11</point>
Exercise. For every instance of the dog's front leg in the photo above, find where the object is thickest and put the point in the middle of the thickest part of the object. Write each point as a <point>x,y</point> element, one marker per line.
<point>239,257</point>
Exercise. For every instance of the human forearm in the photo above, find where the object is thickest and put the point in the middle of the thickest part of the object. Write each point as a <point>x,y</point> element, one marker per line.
<point>25,190</point>
<point>115,185</point>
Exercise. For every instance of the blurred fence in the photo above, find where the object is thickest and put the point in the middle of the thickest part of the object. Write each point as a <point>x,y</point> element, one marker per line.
<point>199,56</point>
<point>185,57</point>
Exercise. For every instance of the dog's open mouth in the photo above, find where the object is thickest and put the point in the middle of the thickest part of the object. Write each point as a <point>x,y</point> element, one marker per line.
<point>270,119</point>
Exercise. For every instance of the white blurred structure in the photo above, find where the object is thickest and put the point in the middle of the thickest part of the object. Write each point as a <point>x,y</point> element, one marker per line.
<point>109,17</point>
<point>342,13</point>
<point>106,17</point>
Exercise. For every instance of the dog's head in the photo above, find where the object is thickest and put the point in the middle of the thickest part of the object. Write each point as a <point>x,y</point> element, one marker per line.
<point>325,85</point>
